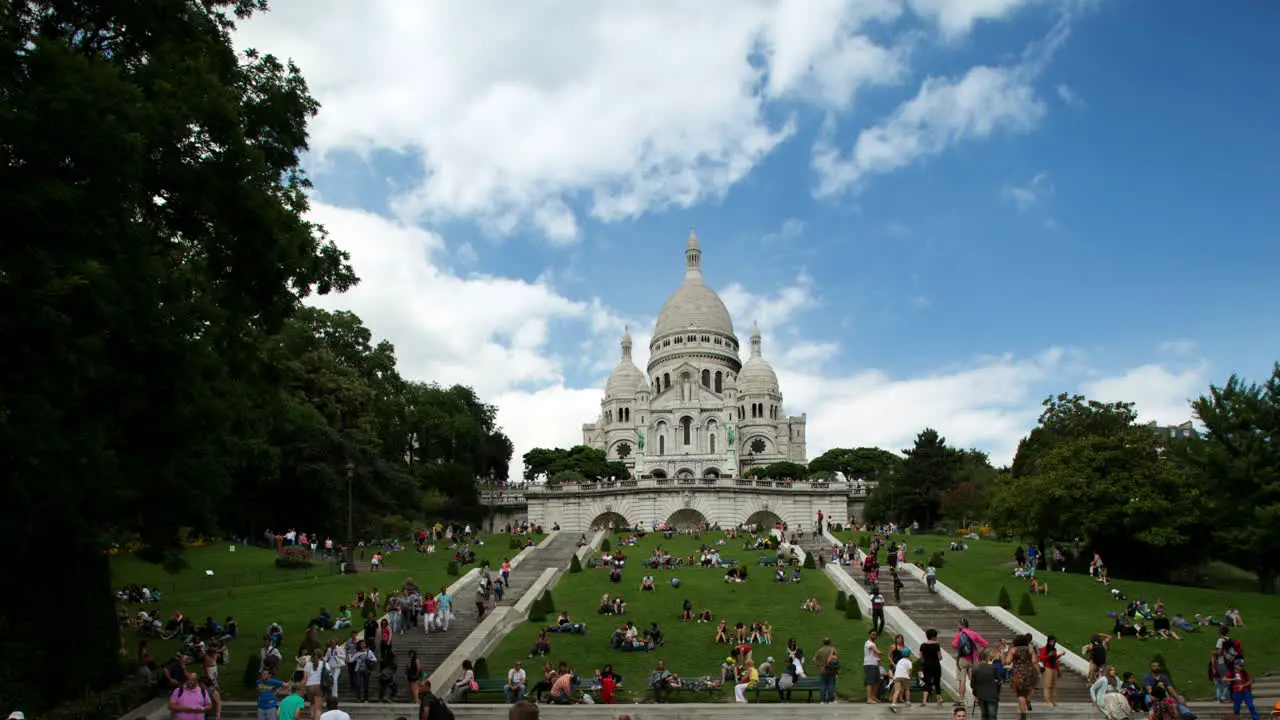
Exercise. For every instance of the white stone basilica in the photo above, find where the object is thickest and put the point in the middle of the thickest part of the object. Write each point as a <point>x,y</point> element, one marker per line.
<point>701,412</point>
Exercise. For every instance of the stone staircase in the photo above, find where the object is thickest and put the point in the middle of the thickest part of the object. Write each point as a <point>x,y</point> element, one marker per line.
<point>930,610</point>
<point>432,648</point>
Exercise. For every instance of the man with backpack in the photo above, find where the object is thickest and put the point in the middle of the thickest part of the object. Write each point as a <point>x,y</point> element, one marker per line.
<point>967,644</point>
<point>189,701</point>
<point>431,707</point>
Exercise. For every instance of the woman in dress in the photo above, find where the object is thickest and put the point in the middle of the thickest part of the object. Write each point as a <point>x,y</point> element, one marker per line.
<point>1025,671</point>
<point>931,666</point>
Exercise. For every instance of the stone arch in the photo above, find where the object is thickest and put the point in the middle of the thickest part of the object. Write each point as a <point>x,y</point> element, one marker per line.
<point>711,472</point>
<point>686,430</point>
<point>687,518</point>
<point>606,519</point>
<point>658,473</point>
<point>684,473</point>
<point>672,502</point>
<point>706,378</point>
<point>764,518</point>
<point>660,431</point>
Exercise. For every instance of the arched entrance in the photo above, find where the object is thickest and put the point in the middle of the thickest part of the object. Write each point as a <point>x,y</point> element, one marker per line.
<point>606,520</point>
<point>687,519</point>
<point>711,473</point>
<point>764,518</point>
<point>685,473</point>
<point>656,473</point>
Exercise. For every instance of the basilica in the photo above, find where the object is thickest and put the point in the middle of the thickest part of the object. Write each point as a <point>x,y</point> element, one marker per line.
<point>698,411</point>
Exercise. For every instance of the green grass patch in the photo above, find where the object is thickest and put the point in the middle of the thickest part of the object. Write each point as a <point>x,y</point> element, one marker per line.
<point>247,586</point>
<point>689,649</point>
<point>1077,607</point>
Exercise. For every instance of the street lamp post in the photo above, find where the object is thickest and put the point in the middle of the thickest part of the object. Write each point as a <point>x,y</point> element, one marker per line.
<point>351,536</point>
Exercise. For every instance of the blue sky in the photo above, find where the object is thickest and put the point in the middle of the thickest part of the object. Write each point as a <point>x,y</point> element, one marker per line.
<point>940,211</point>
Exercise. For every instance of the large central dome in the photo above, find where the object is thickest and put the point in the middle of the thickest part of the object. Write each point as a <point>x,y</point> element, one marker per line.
<point>693,306</point>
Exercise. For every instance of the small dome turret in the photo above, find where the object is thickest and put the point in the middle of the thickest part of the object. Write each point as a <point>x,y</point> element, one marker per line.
<point>757,374</point>
<point>626,379</point>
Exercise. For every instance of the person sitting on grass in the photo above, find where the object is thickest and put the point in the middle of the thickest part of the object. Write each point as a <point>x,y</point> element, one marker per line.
<point>729,670</point>
<point>1038,587</point>
<point>615,575</point>
<point>779,575</point>
<point>541,645</point>
<point>606,605</point>
<point>563,620</point>
<point>795,574</point>
<point>1234,618</point>
<point>686,611</point>
<point>811,605</point>
<point>653,636</point>
<point>722,632</point>
<point>705,616</point>
<point>646,584</point>
<point>1181,623</point>
<point>740,633</point>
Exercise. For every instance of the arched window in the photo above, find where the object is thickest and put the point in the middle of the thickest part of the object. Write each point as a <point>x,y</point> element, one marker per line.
<point>626,414</point>
<point>712,441</point>
<point>706,378</point>
<point>719,381</point>
<point>686,426</point>
<point>666,381</point>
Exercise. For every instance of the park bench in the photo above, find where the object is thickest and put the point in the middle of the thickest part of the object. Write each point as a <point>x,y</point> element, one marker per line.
<point>486,686</point>
<point>705,684</point>
<point>807,685</point>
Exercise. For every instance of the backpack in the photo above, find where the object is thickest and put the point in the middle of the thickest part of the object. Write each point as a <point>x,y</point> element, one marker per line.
<point>436,709</point>
<point>204,694</point>
<point>965,648</point>
<point>1232,651</point>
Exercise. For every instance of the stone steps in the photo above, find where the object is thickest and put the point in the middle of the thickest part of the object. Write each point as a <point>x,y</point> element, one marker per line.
<point>434,647</point>
<point>930,610</point>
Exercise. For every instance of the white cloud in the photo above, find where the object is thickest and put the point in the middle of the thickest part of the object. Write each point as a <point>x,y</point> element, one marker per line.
<point>944,112</point>
<point>1177,347</point>
<point>515,108</point>
<point>1159,392</point>
<point>1029,194</point>
<point>492,333</point>
<point>956,17</point>
<point>1068,96</point>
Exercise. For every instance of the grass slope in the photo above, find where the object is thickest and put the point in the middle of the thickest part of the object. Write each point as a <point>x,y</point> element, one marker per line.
<point>247,585</point>
<point>1077,607</point>
<point>688,650</point>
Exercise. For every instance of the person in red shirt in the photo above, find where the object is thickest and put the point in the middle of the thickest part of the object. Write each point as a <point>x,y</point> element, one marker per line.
<point>1242,690</point>
<point>1050,657</point>
<point>607,689</point>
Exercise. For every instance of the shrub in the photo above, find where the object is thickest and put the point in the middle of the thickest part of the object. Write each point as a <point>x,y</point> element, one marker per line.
<point>842,600</point>
<point>851,609</point>
<point>252,665</point>
<point>605,545</point>
<point>451,570</point>
<point>548,603</point>
<point>1005,601</point>
<point>516,543</point>
<point>575,565</point>
<point>1025,607</point>
<point>481,668</point>
<point>117,701</point>
<point>809,563</point>
<point>937,559</point>
<point>293,558</point>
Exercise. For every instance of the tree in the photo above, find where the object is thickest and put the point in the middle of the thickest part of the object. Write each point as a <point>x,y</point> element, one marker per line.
<point>1238,464</point>
<point>962,503</point>
<point>928,471</point>
<point>869,464</point>
<point>1094,473</point>
<point>779,471</point>
<point>589,462</point>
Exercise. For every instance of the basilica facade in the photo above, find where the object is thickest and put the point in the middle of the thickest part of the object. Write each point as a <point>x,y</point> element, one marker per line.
<point>698,410</point>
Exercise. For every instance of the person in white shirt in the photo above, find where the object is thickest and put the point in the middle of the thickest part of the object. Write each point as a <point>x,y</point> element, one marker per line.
<point>514,689</point>
<point>312,675</point>
<point>336,659</point>
<point>901,683</point>
<point>332,712</point>
<point>871,668</point>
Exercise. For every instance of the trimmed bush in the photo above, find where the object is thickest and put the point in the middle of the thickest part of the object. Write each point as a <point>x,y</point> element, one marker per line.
<point>938,560</point>
<point>451,569</point>
<point>851,609</point>
<point>575,566</point>
<point>516,543</point>
<point>809,563</point>
<point>548,603</point>
<point>481,668</point>
<point>842,601</point>
<point>605,545</point>
<point>118,701</point>
<point>1005,601</point>
<point>1025,607</point>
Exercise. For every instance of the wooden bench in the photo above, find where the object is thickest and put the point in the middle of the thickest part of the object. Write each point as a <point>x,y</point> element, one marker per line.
<point>807,685</point>
<point>691,685</point>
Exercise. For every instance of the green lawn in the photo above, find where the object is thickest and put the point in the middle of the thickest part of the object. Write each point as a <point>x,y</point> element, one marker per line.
<point>247,585</point>
<point>1076,607</point>
<point>689,649</point>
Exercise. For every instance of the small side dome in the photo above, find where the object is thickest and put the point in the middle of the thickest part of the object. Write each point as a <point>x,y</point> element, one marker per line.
<point>757,375</point>
<point>626,379</point>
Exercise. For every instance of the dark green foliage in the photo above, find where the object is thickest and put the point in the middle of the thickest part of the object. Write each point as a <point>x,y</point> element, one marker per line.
<point>575,565</point>
<point>809,562</point>
<point>851,609</point>
<point>516,543</point>
<point>1005,601</point>
<point>451,569</point>
<point>584,462</point>
<point>252,668</point>
<point>115,702</point>
<point>548,603</point>
<point>368,609</point>
<point>938,559</point>
<point>841,600</point>
<point>1026,608</point>
<point>481,668</point>
<point>605,544</point>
